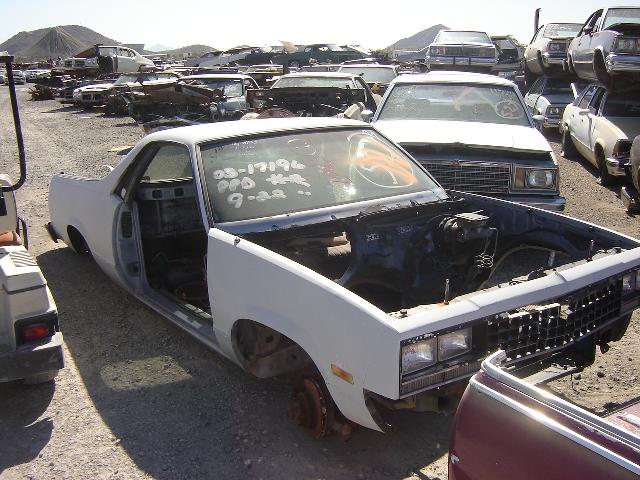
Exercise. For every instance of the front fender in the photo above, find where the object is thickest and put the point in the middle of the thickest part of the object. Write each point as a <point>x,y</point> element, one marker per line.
<point>332,325</point>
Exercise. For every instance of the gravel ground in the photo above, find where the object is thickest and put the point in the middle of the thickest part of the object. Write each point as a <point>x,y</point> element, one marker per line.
<point>141,399</point>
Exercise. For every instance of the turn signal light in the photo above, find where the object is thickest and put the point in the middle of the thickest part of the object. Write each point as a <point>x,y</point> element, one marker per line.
<point>35,331</point>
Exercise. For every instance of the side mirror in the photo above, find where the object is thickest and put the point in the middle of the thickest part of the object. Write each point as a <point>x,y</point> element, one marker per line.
<point>587,30</point>
<point>366,115</point>
<point>539,120</point>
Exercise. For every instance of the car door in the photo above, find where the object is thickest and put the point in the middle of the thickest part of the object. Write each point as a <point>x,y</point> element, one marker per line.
<point>531,52</point>
<point>583,53</point>
<point>531,99</point>
<point>126,61</point>
<point>580,123</point>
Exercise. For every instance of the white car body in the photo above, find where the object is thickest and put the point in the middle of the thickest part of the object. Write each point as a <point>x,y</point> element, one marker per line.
<point>91,95</point>
<point>354,345</point>
<point>603,138</point>
<point>413,134</point>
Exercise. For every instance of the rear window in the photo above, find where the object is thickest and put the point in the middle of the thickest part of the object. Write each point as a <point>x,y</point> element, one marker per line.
<point>562,30</point>
<point>314,82</point>
<point>463,37</point>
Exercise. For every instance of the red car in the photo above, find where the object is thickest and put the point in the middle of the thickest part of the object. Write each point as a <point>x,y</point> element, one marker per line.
<point>507,428</point>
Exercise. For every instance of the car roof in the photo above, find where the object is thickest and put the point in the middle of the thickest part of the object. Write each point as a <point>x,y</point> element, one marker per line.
<point>203,76</point>
<point>224,130</point>
<point>368,65</point>
<point>320,74</point>
<point>453,77</point>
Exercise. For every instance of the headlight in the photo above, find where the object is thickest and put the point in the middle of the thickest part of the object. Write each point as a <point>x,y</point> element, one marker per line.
<point>629,282</point>
<point>453,344</point>
<point>487,52</point>
<point>436,50</point>
<point>553,110</point>
<point>418,355</point>
<point>540,178</point>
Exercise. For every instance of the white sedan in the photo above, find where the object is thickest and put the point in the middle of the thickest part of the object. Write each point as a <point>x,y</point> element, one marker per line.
<point>474,133</point>
<point>317,245</point>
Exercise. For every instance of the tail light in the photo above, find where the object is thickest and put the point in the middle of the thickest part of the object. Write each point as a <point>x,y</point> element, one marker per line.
<point>627,45</point>
<point>33,329</point>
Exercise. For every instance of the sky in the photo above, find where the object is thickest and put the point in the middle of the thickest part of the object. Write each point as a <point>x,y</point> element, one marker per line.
<point>229,23</point>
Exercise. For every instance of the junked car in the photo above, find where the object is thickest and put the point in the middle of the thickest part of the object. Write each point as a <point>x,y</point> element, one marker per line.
<point>607,47</point>
<point>462,50</point>
<point>321,52</point>
<point>600,125</point>
<point>316,94</point>
<point>107,59</point>
<point>473,133</point>
<point>548,96</point>
<point>318,246</point>
<point>377,76</point>
<point>547,50</point>
<point>540,435</point>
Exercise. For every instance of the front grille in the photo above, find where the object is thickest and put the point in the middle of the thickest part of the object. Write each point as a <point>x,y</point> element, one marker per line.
<point>472,177</point>
<point>464,51</point>
<point>552,326</point>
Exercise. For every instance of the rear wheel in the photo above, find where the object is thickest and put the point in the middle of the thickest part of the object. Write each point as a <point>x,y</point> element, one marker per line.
<point>606,178</point>
<point>600,70</point>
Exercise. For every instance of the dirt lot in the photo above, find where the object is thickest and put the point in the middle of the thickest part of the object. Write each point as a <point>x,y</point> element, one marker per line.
<point>141,399</point>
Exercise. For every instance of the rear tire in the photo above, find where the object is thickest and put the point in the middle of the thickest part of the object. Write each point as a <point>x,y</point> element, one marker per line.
<point>568,148</point>
<point>39,378</point>
<point>605,179</point>
<point>600,70</point>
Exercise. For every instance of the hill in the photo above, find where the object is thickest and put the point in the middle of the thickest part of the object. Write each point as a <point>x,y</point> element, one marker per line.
<point>419,40</point>
<point>20,44</point>
<point>55,43</point>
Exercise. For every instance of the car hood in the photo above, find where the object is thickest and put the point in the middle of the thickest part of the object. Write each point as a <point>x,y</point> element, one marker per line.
<point>467,133</point>
<point>96,88</point>
<point>628,126</point>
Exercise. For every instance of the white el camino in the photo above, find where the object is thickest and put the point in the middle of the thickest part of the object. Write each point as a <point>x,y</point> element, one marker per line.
<point>317,245</point>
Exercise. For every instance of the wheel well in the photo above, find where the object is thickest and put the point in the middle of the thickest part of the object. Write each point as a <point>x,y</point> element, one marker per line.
<point>265,352</point>
<point>78,243</point>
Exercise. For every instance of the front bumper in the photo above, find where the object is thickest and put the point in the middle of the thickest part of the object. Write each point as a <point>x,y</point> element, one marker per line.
<point>461,61</point>
<point>621,62</point>
<point>31,360</point>
<point>549,59</point>
<point>555,203</point>
<point>616,166</point>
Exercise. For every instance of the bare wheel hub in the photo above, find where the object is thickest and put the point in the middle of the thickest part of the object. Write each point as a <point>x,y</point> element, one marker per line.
<point>312,408</point>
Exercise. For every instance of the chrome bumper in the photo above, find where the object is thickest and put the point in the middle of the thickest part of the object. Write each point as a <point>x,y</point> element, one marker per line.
<point>549,60</point>
<point>620,62</point>
<point>556,203</point>
<point>615,166</point>
<point>473,61</point>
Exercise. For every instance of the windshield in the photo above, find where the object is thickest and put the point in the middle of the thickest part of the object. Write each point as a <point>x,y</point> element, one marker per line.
<point>462,37</point>
<point>562,30</point>
<point>621,105</point>
<point>454,102</point>
<point>146,77</point>
<point>621,15</point>
<point>286,82</point>
<point>372,74</point>
<point>556,86</point>
<point>267,176</point>
<point>229,87</point>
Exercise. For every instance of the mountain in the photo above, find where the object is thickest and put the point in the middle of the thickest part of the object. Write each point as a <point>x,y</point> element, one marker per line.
<point>20,44</point>
<point>194,50</point>
<point>419,40</point>
<point>55,43</point>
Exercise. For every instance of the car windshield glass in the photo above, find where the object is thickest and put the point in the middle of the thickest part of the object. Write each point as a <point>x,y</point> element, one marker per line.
<point>616,16</point>
<point>267,176</point>
<point>229,87</point>
<point>460,37</point>
<point>372,74</point>
<point>286,82</point>
<point>126,79</point>
<point>454,102</point>
<point>556,86</point>
<point>562,30</point>
<point>621,105</point>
